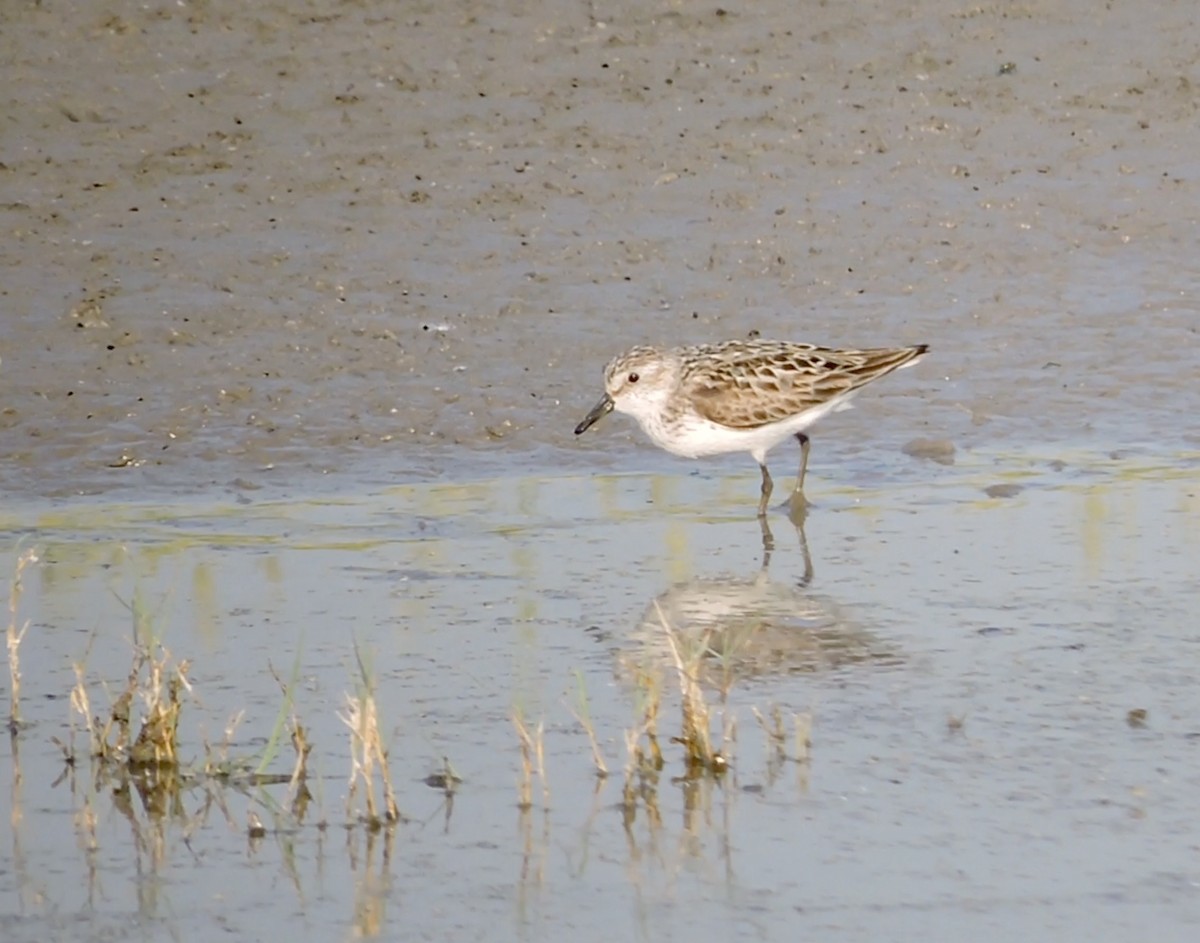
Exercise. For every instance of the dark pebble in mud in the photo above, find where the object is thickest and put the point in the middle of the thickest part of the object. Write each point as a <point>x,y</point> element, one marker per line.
<point>1002,491</point>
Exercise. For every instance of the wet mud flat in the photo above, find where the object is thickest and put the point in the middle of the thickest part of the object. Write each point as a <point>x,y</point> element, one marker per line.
<point>252,248</point>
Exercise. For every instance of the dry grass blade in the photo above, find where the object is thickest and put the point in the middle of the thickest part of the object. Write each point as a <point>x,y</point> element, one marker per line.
<point>642,765</point>
<point>777,735</point>
<point>367,751</point>
<point>695,736</point>
<point>298,794</point>
<point>361,761</point>
<point>14,637</point>
<point>649,690</point>
<point>157,685</point>
<point>82,705</point>
<point>803,724</point>
<point>157,742</point>
<point>633,761</point>
<point>583,715</point>
<point>216,760</point>
<point>525,783</point>
<point>533,760</point>
<point>773,728</point>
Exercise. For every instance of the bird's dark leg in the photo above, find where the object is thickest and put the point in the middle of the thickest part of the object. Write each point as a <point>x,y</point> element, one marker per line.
<point>804,445</point>
<point>767,485</point>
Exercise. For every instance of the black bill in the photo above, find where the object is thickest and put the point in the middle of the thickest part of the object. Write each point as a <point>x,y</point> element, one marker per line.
<point>599,411</point>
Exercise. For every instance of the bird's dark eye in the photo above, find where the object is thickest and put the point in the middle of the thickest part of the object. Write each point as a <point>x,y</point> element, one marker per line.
<point>633,378</point>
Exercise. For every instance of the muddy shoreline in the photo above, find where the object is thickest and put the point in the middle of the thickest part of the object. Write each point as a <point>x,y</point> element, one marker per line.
<point>263,245</point>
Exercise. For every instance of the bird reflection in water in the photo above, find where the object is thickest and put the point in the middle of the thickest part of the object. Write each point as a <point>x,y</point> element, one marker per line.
<point>755,626</point>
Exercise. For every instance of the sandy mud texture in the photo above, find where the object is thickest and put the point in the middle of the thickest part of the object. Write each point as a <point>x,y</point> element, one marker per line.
<point>247,242</point>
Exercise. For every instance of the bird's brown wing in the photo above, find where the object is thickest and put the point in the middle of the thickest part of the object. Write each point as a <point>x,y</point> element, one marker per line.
<point>745,387</point>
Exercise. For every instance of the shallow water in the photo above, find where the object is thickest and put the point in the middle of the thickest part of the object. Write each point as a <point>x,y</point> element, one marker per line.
<point>969,665</point>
